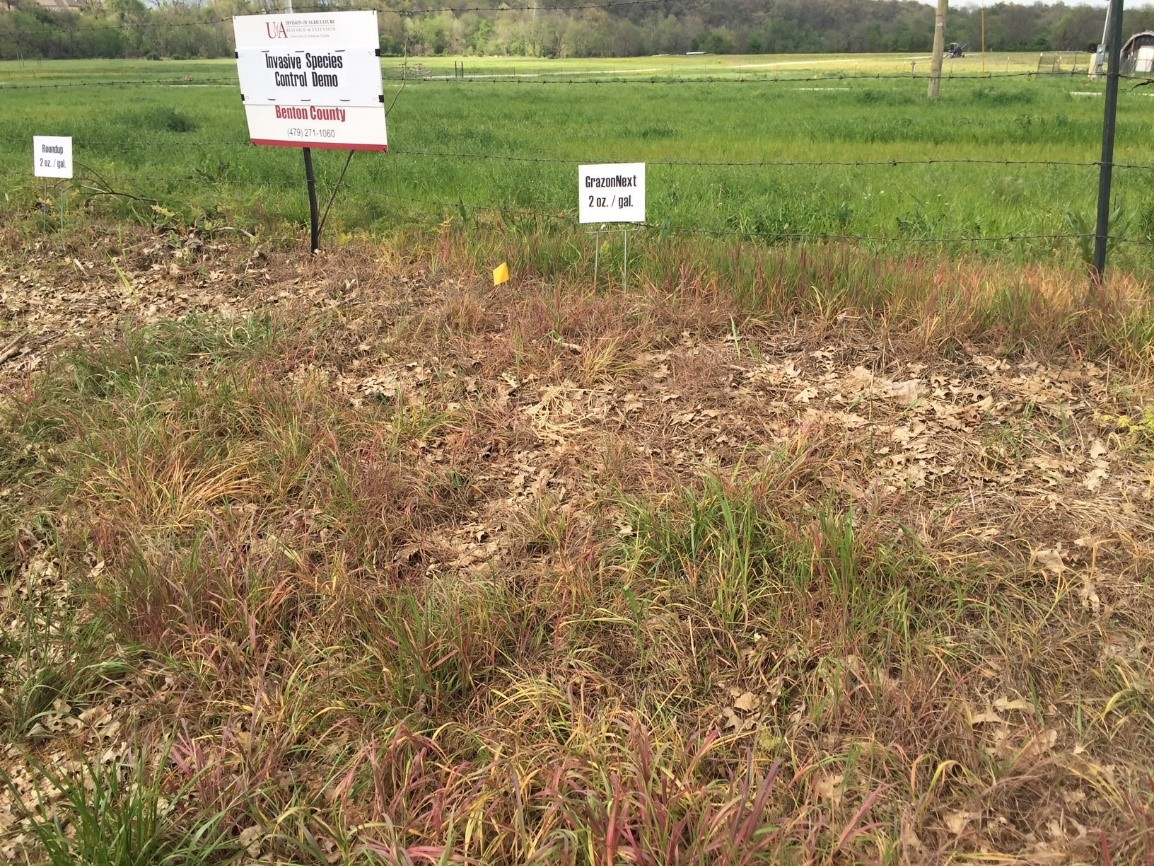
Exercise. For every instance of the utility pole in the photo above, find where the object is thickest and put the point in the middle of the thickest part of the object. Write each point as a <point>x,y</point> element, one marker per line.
<point>1100,54</point>
<point>983,39</point>
<point>939,49</point>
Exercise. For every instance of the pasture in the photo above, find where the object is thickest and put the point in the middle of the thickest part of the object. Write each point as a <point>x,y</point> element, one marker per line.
<point>775,149</point>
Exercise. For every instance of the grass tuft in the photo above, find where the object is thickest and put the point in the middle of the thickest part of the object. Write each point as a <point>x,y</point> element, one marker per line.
<point>113,814</point>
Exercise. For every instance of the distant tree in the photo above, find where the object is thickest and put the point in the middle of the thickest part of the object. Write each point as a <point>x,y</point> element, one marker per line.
<point>560,28</point>
<point>97,38</point>
<point>479,35</point>
<point>184,29</point>
<point>1077,29</point>
<point>126,11</point>
<point>1135,20</point>
<point>38,32</point>
<point>392,32</point>
<point>717,41</point>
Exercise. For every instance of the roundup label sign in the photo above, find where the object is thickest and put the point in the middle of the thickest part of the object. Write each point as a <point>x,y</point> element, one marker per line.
<point>52,155</point>
<point>312,80</point>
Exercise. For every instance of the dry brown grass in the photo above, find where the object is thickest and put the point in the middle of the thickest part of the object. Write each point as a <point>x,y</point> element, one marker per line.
<point>851,564</point>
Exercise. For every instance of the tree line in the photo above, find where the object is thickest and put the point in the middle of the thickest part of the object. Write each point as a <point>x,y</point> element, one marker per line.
<point>553,28</point>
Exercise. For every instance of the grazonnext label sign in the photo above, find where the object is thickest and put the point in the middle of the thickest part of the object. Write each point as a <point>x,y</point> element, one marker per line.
<point>611,193</point>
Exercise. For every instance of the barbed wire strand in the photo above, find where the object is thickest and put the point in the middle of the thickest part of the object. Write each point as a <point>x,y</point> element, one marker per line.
<point>822,237</point>
<point>662,228</point>
<point>568,215</point>
<point>554,78</point>
<point>894,163</point>
<point>153,144</point>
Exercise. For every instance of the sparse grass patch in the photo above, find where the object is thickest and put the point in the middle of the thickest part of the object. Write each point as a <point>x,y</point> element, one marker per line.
<point>56,655</point>
<point>938,298</point>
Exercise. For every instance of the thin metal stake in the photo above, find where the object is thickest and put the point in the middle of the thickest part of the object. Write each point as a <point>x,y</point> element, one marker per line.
<point>625,262</point>
<point>336,188</point>
<point>596,256</point>
<point>314,208</point>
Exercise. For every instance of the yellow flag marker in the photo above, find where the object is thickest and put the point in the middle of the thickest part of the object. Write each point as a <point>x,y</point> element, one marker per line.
<point>501,274</point>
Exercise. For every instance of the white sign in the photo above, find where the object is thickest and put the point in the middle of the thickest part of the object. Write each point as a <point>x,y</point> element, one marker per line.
<point>611,193</point>
<point>312,80</point>
<point>52,155</point>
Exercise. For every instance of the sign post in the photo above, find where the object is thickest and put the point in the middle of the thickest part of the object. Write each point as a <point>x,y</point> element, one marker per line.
<point>1106,165</point>
<point>611,193</point>
<point>314,209</point>
<point>312,81</point>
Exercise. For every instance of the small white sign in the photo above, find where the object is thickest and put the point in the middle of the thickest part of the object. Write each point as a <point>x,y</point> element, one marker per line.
<point>52,155</point>
<point>312,80</point>
<point>611,193</point>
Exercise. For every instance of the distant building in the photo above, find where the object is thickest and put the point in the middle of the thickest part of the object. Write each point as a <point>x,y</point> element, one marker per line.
<point>1138,53</point>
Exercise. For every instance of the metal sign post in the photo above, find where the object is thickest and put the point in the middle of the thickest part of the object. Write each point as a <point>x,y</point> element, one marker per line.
<point>597,233</point>
<point>625,260</point>
<point>1106,170</point>
<point>314,208</point>
<point>596,255</point>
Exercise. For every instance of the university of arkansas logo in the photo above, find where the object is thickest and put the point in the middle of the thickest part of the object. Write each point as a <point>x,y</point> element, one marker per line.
<point>275,30</point>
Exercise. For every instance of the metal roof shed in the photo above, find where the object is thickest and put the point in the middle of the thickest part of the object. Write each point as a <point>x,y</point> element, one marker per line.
<point>1138,53</point>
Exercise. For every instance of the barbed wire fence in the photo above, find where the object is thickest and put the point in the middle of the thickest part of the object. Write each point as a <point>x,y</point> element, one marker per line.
<point>550,211</point>
<point>416,74</point>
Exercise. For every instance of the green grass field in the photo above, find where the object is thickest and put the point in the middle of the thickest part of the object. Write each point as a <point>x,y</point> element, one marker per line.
<point>506,142</point>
